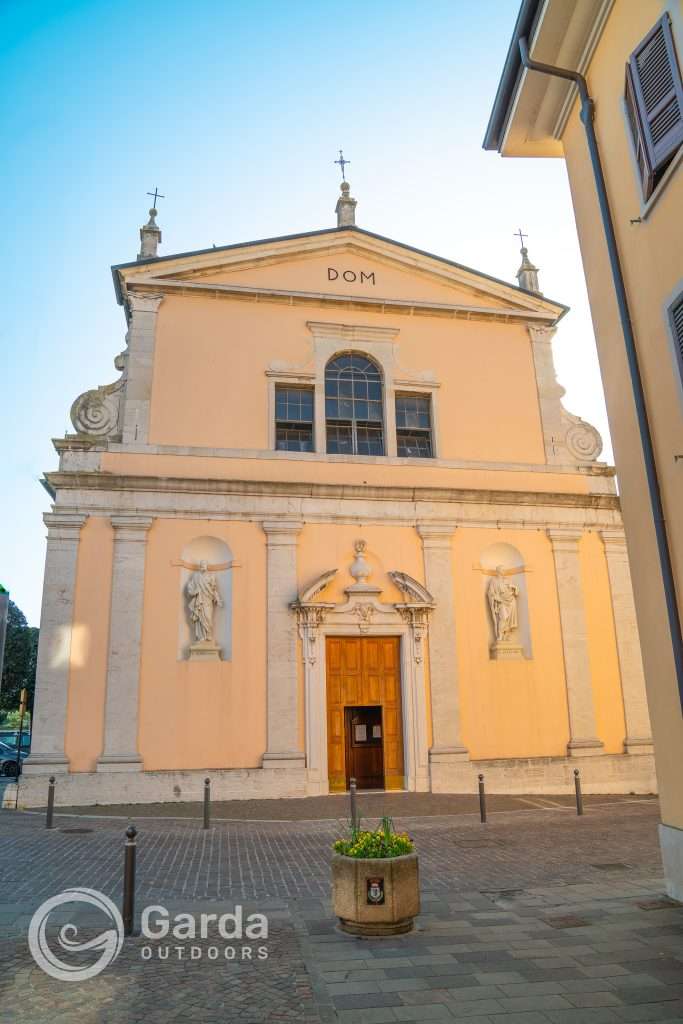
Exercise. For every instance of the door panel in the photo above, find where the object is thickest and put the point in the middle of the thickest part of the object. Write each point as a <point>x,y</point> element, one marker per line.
<point>364,672</point>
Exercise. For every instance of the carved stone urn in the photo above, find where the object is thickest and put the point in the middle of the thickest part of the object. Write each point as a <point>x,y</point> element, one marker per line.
<point>378,896</point>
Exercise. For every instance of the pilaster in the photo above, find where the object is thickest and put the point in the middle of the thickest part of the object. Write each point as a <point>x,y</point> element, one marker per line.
<point>141,336</point>
<point>54,650</point>
<point>282,750</point>
<point>437,547</point>
<point>582,728</point>
<point>121,711</point>
<point>638,731</point>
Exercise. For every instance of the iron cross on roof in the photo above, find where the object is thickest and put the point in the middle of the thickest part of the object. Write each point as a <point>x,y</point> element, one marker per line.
<point>342,163</point>
<point>156,195</point>
<point>521,236</point>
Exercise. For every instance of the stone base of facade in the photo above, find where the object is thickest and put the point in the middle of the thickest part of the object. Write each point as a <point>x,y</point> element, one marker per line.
<point>608,773</point>
<point>602,773</point>
<point>671,843</point>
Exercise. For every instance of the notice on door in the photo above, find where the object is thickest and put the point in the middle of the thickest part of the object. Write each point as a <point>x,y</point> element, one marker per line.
<point>361,733</point>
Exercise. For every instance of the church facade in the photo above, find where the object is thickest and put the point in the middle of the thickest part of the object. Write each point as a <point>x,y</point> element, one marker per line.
<point>333,521</point>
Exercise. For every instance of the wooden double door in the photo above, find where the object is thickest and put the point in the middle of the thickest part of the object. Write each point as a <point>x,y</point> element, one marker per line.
<point>364,724</point>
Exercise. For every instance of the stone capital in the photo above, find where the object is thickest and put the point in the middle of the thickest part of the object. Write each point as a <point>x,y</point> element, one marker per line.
<point>282,531</point>
<point>141,303</point>
<point>436,535</point>
<point>565,538</point>
<point>131,528</point>
<point>64,525</point>
<point>614,541</point>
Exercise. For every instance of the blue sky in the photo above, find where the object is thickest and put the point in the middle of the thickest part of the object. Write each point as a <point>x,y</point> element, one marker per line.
<point>236,111</point>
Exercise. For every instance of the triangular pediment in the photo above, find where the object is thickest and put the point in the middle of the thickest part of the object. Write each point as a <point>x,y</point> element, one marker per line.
<point>346,263</point>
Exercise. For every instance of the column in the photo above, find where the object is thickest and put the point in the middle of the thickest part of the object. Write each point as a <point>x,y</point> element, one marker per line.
<point>638,732</point>
<point>582,728</point>
<point>54,650</point>
<point>141,334</point>
<point>282,749</point>
<point>437,548</point>
<point>120,753</point>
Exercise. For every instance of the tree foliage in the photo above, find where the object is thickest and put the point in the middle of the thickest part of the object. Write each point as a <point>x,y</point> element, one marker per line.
<point>19,670</point>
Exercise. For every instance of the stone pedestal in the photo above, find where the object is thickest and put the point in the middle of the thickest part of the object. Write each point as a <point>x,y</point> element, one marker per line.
<point>205,650</point>
<point>506,650</point>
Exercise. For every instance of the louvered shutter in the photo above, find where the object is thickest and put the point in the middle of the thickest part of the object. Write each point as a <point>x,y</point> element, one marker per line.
<point>645,170</point>
<point>676,313</point>
<point>655,79</point>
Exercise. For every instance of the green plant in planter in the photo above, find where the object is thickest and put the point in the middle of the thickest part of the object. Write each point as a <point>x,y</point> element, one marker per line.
<point>383,842</point>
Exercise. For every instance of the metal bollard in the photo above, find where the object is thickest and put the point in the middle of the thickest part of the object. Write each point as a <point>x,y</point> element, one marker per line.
<point>577,787</point>
<point>207,803</point>
<point>129,880</point>
<point>354,809</point>
<point>482,800</point>
<point>49,823</point>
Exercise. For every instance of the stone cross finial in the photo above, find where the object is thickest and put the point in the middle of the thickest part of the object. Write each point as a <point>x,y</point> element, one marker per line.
<point>150,237</point>
<point>346,207</point>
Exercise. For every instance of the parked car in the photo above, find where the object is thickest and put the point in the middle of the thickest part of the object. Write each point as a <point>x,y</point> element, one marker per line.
<point>8,759</point>
<point>9,736</point>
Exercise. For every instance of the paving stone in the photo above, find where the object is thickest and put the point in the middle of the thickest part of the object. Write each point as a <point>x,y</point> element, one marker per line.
<point>361,1001</point>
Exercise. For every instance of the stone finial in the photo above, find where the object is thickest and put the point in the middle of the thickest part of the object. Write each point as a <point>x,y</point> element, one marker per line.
<point>346,207</point>
<point>150,237</point>
<point>527,275</point>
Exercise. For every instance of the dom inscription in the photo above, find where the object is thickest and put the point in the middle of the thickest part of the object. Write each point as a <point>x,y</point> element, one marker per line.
<point>362,276</point>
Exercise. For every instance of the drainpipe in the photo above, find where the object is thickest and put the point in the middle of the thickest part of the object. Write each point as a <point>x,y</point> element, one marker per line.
<point>587,115</point>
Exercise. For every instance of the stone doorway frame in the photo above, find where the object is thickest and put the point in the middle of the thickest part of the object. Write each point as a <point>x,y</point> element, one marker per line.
<point>362,614</point>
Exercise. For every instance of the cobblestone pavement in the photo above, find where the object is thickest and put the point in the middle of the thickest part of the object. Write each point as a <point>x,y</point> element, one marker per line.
<point>538,917</point>
<point>317,808</point>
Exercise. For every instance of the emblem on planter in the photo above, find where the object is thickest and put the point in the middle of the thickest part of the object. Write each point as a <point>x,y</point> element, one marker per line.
<point>375,891</point>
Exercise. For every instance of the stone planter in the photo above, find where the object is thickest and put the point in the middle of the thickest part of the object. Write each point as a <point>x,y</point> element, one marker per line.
<point>376,896</point>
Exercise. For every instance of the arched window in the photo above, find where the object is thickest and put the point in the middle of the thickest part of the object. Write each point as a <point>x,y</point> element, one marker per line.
<point>353,406</point>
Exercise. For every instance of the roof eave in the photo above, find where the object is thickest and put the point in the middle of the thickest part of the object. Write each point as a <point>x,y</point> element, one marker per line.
<point>527,17</point>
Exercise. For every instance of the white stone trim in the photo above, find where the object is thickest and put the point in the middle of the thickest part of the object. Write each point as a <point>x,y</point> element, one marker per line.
<point>363,615</point>
<point>582,728</point>
<point>447,743</point>
<point>282,704</point>
<point>671,844</point>
<point>141,341</point>
<point>54,650</point>
<point>120,751</point>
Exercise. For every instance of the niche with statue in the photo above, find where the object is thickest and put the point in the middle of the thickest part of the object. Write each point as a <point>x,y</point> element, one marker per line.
<point>506,604</point>
<point>205,632</point>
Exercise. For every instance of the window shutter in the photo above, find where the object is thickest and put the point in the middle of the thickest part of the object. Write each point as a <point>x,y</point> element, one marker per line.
<point>655,79</point>
<point>645,170</point>
<point>676,313</point>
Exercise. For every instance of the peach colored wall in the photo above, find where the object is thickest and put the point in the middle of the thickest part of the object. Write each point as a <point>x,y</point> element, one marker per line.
<point>510,708</point>
<point>209,383</point>
<point>602,645</point>
<point>195,715</point>
<point>302,470</point>
<point>650,253</point>
<point>89,646</point>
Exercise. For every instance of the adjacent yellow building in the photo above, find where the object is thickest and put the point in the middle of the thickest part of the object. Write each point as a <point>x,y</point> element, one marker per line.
<point>625,125</point>
<point>333,521</point>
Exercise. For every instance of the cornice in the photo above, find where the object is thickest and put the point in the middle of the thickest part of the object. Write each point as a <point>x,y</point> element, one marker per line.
<point>409,307</point>
<point>96,481</point>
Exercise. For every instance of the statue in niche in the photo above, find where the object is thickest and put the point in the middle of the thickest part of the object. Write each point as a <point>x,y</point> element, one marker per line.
<point>203,596</point>
<point>502,597</point>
